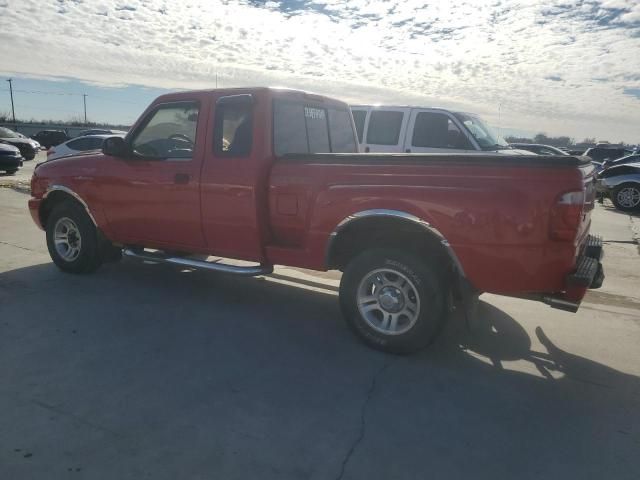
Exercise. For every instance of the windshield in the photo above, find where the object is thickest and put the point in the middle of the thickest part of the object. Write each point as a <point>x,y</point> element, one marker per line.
<point>6,133</point>
<point>486,138</point>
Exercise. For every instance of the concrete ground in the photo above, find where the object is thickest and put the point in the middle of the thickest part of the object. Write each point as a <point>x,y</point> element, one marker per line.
<point>145,371</point>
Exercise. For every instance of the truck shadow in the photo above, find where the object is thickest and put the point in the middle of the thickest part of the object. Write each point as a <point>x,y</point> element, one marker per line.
<point>268,368</point>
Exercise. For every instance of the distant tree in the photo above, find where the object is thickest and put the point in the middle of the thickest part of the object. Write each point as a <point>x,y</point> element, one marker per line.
<point>518,140</point>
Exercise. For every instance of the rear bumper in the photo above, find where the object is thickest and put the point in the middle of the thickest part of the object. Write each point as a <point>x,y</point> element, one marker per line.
<point>589,274</point>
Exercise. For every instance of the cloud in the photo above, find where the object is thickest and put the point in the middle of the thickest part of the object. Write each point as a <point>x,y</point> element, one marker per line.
<point>557,65</point>
<point>634,92</point>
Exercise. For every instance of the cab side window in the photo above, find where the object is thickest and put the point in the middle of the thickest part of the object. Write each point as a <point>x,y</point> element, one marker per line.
<point>233,126</point>
<point>384,127</point>
<point>168,132</point>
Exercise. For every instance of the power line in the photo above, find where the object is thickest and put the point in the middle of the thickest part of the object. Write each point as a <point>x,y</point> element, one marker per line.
<point>43,92</point>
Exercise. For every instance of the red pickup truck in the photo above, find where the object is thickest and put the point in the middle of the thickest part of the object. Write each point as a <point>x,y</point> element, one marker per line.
<point>272,176</point>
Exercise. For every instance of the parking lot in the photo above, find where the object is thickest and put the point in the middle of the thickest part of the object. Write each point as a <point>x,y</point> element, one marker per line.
<point>147,371</point>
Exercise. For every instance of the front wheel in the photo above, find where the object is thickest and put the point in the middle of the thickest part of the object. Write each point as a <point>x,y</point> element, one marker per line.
<point>626,197</point>
<point>72,239</point>
<point>392,300</point>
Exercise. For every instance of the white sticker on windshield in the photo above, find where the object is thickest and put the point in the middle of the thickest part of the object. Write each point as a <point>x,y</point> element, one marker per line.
<point>314,113</point>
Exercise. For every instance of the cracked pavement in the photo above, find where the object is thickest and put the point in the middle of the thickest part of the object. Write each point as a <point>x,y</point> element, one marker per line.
<point>146,371</point>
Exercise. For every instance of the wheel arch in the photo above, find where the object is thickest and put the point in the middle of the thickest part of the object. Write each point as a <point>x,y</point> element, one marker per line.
<point>382,227</point>
<point>57,194</point>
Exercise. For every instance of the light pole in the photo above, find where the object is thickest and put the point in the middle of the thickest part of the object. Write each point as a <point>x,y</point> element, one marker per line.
<point>84,99</point>
<point>13,111</point>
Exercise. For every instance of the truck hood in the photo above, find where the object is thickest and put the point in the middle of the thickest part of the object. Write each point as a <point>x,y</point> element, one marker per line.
<point>76,155</point>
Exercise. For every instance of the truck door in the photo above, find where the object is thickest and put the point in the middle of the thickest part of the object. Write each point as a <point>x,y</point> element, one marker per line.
<point>433,131</point>
<point>234,178</point>
<point>385,129</point>
<point>152,196</point>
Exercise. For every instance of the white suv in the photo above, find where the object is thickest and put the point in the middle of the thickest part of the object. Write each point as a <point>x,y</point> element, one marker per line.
<point>425,130</point>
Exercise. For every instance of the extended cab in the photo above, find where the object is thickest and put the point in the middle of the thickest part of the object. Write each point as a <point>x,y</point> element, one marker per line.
<point>396,129</point>
<point>239,174</point>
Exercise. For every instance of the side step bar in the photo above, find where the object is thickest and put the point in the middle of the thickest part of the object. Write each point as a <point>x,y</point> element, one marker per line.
<point>249,271</point>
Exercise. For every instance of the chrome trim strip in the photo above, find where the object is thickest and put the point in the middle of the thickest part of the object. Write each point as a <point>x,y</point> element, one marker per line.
<point>382,212</point>
<point>62,188</point>
<point>250,271</point>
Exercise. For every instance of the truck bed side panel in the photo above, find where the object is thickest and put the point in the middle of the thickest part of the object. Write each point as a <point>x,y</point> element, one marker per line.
<point>494,215</point>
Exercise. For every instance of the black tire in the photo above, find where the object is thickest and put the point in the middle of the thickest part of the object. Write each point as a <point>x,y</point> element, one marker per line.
<point>626,197</point>
<point>413,332</point>
<point>11,172</point>
<point>89,257</point>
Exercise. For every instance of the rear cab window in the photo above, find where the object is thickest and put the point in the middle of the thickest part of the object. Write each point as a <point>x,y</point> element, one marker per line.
<point>306,127</point>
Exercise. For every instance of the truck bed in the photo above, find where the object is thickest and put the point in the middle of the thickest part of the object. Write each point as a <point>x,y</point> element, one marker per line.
<point>493,210</point>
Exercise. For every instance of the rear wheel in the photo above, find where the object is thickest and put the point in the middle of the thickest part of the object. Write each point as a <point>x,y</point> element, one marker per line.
<point>72,239</point>
<point>11,171</point>
<point>392,300</point>
<point>626,197</point>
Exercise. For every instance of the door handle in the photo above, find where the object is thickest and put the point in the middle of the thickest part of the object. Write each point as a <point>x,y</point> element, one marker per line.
<point>408,150</point>
<point>367,149</point>
<point>181,178</point>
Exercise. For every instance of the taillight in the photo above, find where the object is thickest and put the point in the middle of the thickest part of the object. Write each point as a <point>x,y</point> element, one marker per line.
<point>566,216</point>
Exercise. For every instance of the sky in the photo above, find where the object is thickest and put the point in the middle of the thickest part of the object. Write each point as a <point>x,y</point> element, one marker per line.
<point>564,67</point>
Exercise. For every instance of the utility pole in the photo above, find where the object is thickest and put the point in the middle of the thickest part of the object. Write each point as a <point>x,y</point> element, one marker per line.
<point>13,111</point>
<point>84,99</point>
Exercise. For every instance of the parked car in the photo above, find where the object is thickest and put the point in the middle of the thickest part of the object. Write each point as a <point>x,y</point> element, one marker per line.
<point>272,177</point>
<point>76,145</point>
<point>10,158</point>
<point>539,149</point>
<point>621,183</point>
<point>21,135</point>
<point>50,138</point>
<point>425,130</point>
<point>101,131</point>
<point>633,158</point>
<point>27,147</point>
<point>602,154</point>
<point>574,151</point>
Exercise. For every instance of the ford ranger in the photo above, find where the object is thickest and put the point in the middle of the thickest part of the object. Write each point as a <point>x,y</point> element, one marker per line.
<point>271,176</point>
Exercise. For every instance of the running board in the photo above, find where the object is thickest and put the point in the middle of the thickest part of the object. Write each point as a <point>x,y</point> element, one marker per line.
<point>249,271</point>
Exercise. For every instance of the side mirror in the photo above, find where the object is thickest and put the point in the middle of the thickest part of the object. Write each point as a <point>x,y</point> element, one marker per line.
<point>115,147</point>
